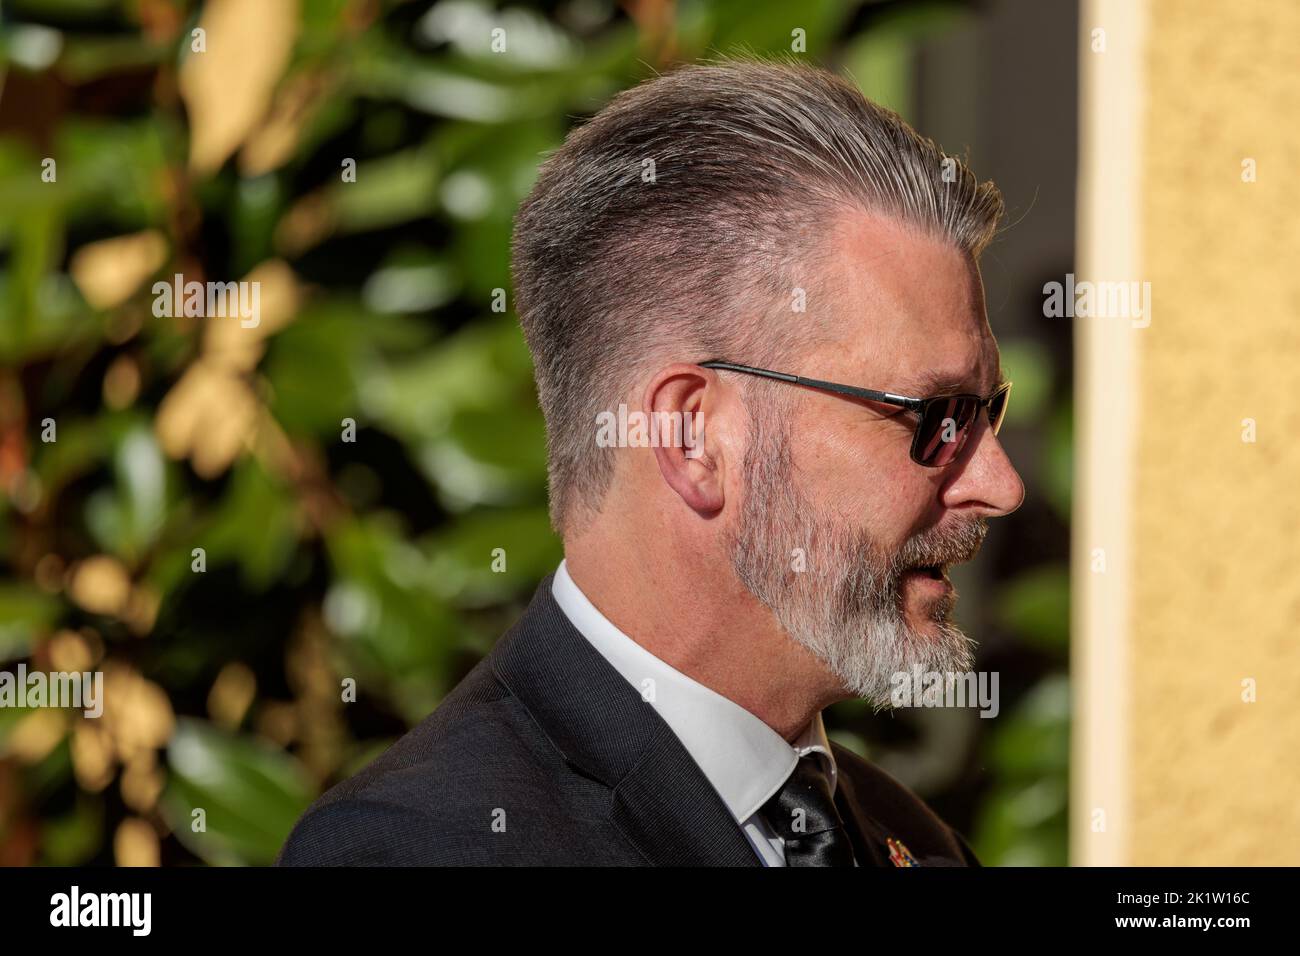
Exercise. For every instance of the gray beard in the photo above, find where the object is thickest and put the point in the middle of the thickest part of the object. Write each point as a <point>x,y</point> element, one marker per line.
<point>846,605</point>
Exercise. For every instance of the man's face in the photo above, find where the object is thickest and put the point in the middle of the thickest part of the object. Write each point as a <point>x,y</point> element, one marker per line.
<point>841,533</point>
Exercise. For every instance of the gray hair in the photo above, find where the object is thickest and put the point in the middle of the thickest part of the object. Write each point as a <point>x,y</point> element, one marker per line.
<point>669,227</point>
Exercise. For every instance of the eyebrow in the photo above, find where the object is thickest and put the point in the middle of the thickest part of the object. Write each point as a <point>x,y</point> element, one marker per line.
<point>948,383</point>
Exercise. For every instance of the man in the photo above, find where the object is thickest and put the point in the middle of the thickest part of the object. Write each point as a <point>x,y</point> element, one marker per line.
<point>697,252</point>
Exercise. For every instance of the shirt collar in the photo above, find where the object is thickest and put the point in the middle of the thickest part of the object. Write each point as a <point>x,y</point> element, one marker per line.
<point>744,759</point>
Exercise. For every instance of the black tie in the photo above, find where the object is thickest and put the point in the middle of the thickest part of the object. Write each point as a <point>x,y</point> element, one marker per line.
<point>803,814</point>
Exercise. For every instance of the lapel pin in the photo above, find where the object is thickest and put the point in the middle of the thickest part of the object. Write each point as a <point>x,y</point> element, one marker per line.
<point>899,855</point>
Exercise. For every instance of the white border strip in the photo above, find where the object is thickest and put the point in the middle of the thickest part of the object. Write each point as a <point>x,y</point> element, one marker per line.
<point>1111,88</point>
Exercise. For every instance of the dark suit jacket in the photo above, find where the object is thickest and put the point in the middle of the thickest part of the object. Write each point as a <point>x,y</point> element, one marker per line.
<point>545,755</point>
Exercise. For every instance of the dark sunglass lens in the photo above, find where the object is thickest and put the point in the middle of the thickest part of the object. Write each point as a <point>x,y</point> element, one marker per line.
<point>943,429</point>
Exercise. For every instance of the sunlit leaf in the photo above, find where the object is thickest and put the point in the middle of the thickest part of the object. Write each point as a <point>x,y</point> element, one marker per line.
<point>228,87</point>
<point>250,793</point>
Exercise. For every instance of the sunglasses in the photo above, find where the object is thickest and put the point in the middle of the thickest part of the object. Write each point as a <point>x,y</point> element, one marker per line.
<point>944,421</point>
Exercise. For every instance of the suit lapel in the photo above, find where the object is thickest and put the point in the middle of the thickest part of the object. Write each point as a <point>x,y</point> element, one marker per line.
<point>598,722</point>
<point>866,835</point>
<point>670,811</point>
<point>870,838</point>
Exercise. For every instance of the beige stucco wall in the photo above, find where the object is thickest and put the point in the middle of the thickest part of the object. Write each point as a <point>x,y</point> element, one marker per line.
<point>1208,538</point>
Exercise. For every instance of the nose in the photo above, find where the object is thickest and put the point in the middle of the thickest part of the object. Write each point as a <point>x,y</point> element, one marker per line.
<point>985,481</point>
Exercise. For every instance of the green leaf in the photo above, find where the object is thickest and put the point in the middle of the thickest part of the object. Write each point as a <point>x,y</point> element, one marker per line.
<point>250,791</point>
<point>127,518</point>
<point>1024,825</point>
<point>1058,463</point>
<point>1024,821</point>
<point>387,191</point>
<point>1026,363</point>
<point>396,633</point>
<point>1036,606</point>
<point>257,526</point>
<point>1034,742</point>
<point>73,838</point>
<point>25,613</point>
<point>881,58</point>
<point>489,556</point>
<point>768,27</point>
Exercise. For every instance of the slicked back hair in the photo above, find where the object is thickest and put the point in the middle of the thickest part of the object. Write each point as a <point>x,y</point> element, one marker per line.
<point>675,224</point>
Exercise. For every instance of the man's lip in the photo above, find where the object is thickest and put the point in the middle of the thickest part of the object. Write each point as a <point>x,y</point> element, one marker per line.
<point>934,571</point>
<point>932,576</point>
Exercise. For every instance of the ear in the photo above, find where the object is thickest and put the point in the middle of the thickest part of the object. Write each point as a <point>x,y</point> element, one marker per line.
<point>685,408</point>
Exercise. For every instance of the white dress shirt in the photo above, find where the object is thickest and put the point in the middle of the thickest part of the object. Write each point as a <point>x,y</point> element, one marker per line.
<point>744,759</point>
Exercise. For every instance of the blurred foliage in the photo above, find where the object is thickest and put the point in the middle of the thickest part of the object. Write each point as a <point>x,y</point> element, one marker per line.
<point>182,508</point>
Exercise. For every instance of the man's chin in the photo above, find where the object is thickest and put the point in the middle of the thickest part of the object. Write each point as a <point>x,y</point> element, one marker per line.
<point>935,637</point>
<point>930,619</point>
<point>868,657</point>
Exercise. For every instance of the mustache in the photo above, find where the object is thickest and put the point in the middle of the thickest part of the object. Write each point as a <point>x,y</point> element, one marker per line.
<point>944,545</point>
